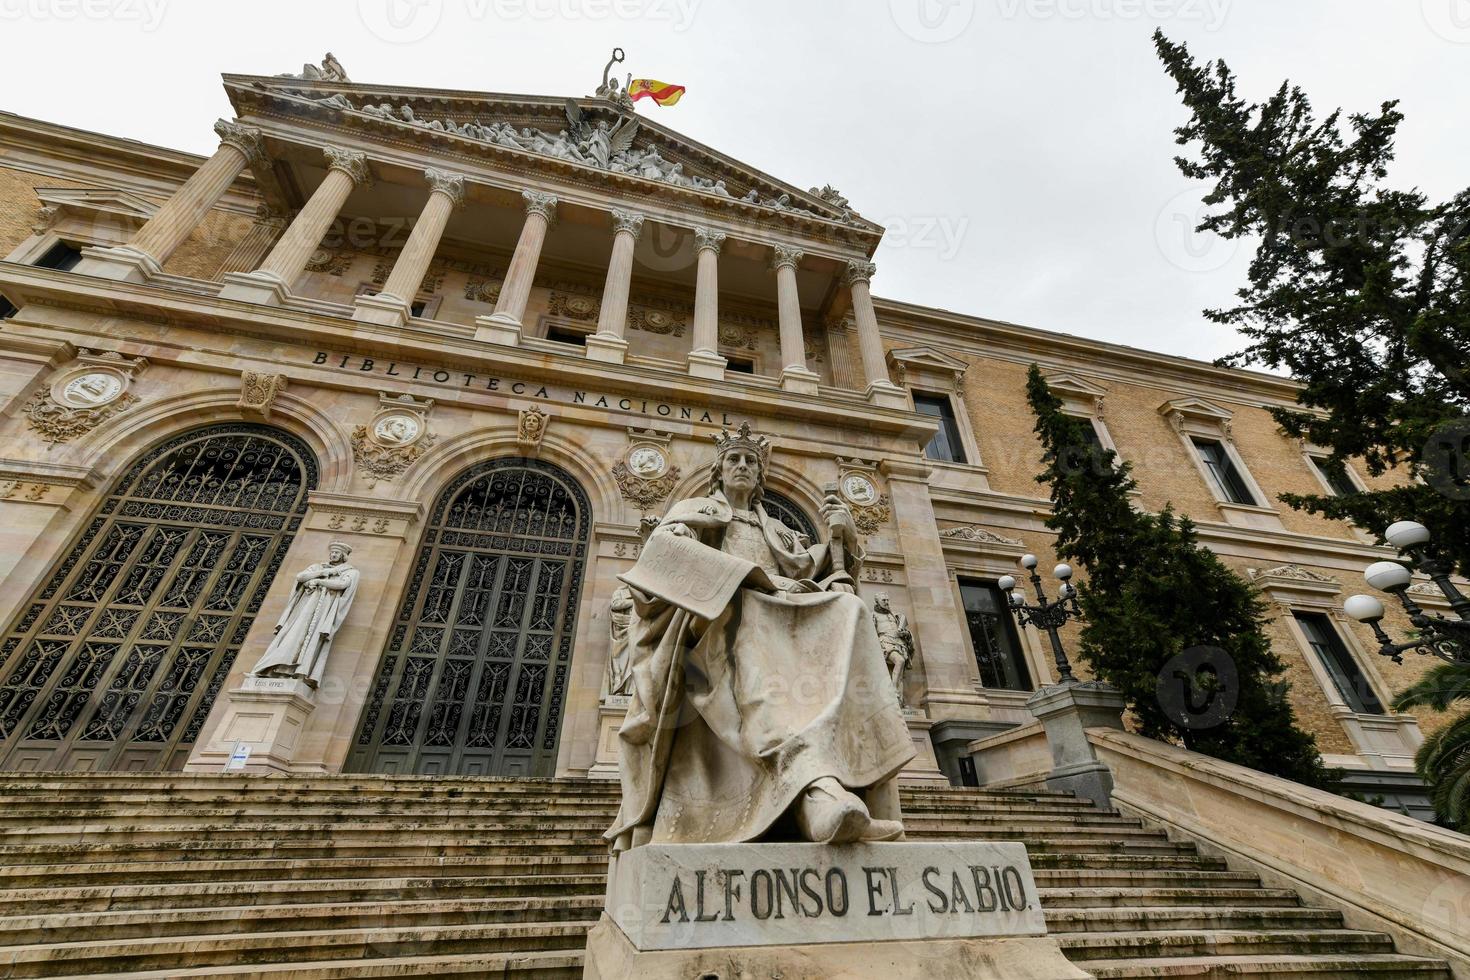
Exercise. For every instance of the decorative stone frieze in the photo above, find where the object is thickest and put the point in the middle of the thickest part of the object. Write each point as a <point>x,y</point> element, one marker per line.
<point>980,535</point>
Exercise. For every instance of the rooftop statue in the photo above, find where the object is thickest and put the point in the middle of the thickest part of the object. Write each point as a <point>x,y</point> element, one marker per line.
<point>762,706</point>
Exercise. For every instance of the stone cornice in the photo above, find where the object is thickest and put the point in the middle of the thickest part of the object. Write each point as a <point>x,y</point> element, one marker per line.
<point>982,337</point>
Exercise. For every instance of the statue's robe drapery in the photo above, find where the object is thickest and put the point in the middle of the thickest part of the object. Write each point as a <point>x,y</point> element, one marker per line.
<point>309,621</point>
<point>735,713</point>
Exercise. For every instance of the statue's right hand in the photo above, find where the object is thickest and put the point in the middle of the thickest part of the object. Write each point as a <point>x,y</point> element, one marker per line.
<point>677,530</point>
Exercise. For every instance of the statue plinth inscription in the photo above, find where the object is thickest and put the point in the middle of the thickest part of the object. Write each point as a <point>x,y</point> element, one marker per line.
<point>702,896</point>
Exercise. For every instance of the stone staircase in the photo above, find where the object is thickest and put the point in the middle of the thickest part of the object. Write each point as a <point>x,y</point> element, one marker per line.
<point>363,876</point>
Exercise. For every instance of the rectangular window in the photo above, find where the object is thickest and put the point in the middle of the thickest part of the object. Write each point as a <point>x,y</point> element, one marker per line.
<point>993,634</point>
<point>945,446</point>
<point>417,307</point>
<point>1342,485</point>
<point>565,335</point>
<point>740,365</point>
<point>62,257</point>
<point>1226,478</point>
<point>7,309</point>
<point>1335,656</point>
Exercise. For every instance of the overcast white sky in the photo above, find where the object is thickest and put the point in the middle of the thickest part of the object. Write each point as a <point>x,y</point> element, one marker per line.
<point>1019,151</point>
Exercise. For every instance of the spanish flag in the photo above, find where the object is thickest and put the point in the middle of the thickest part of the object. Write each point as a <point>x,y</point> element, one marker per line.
<point>661,92</point>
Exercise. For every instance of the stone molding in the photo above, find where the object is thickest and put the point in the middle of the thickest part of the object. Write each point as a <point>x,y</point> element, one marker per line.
<point>979,535</point>
<point>344,513</point>
<point>353,163</point>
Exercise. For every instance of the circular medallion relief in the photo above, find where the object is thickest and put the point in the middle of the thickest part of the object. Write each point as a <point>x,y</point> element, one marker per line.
<point>397,429</point>
<point>858,489</point>
<point>91,390</point>
<point>647,462</point>
<point>581,306</point>
<point>660,322</point>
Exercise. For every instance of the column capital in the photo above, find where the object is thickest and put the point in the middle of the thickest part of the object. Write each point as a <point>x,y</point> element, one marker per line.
<point>445,182</point>
<point>708,238</point>
<point>539,202</point>
<point>353,163</point>
<point>858,271</point>
<point>270,219</point>
<point>786,255</point>
<point>246,139</point>
<point>629,221</point>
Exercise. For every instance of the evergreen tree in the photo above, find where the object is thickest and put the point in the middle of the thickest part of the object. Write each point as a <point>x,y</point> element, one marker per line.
<point>1359,291</point>
<point>1152,591</point>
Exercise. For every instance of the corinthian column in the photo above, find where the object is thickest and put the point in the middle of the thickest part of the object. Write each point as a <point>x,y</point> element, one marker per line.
<point>271,283</point>
<point>504,325</point>
<point>392,305</point>
<point>880,390</point>
<point>705,360</point>
<point>608,343</point>
<point>795,376</point>
<point>144,256</point>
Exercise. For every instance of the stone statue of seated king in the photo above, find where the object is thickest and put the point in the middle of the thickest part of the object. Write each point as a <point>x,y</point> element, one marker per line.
<point>761,706</point>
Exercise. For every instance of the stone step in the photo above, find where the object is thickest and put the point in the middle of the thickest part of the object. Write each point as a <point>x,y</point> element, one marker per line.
<point>1122,878</point>
<point>1183,917</point>
<point>204,848</point>
<point>189,952</point>
<point>1219,942</point>
<point>39,901</point>
<point>1135,897</point>
<point>549,965</point>
<point>1126,862</point>
<point>1378,966</point>
<point>403,912</point>
<point>294,869</point>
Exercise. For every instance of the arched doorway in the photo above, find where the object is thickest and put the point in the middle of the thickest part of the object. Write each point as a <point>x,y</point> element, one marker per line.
<point>475,672</point>
<point>785,510</point>
<point>115,661</point>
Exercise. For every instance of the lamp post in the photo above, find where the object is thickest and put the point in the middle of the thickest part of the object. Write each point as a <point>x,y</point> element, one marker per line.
<point>1439,636</point>
<point>1047,614</point>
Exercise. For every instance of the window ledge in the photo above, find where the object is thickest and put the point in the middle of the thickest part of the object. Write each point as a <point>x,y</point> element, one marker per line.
<point>1250,515</point>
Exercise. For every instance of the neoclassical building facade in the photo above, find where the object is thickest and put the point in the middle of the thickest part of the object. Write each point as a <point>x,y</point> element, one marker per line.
<point>481,340</point>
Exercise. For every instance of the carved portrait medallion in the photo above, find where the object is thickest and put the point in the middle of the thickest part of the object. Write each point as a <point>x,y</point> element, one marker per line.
<point>397,429</point>
<point>858,489</point>
<point>91,390</point>
<point>647,462</point>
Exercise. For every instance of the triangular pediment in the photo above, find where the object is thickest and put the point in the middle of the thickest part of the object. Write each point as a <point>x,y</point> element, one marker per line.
<point>581,137</point>
<point>97,199</point>
<point>1074,384</point>
<point>920,362</point>
<point>1197,408</point>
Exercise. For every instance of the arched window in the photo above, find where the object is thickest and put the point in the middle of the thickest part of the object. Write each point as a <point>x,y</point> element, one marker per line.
<point>115,661</point>
<point>475,672</point>
<point>783,509</point>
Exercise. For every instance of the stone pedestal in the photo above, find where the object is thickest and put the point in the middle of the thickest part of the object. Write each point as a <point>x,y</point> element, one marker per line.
<point>925,767</point>
<point>707,364</point>
<point>267,714</point>
<point>799,380</point>
<point>498,329</point>
<point>916,911</point>
<point>254,287</point>
<point>118,262</point>
<point>610,715</point>
<point>388,310</point>
<point>886,394</point>
<point>1066,711</point>
<point>606,347</point>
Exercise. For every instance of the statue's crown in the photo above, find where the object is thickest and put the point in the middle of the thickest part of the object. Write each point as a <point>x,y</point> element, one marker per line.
<point>744,438</point>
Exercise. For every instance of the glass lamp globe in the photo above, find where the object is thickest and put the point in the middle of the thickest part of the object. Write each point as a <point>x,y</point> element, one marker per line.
<point>1006,583</point>
<point>1029,561</point>
<point>1406,534</point>
<point>1062,571</point>
<point>1387,576</point>
<point>1363,608</point>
